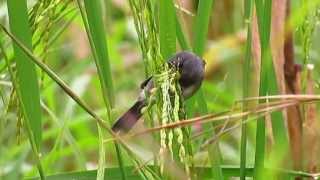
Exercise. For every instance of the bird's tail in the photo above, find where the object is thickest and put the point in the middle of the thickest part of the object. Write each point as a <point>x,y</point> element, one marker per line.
<point>128,119</point>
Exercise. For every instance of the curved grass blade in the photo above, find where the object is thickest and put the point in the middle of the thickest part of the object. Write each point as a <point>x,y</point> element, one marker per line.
<point>93,23</point>
<point>99,45</point>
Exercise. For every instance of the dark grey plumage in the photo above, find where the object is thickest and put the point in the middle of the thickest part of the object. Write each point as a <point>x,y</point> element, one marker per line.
<point>191,69</point>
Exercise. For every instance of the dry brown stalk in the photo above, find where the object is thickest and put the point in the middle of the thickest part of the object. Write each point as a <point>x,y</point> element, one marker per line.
<point>311,129</point>
<point>292,77</point>
<point>280,104</point>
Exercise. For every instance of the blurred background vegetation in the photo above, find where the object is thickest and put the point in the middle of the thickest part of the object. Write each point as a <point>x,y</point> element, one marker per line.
<point>104,49</point>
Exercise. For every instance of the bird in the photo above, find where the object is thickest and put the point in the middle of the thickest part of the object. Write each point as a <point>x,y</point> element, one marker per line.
<point>191,69</point>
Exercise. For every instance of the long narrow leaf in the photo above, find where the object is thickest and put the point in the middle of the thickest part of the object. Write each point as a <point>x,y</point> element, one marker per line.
<point>201,25</point>
<point>260,132</point>
<point>26,73</point>
<point>268,85</point>
<point>199,42</point>
<point>27,81</point>
<point>229,171</point>
<point>167,28</point>
<point>246,84</point>
<point>181,36</point>
<point>96,34</point>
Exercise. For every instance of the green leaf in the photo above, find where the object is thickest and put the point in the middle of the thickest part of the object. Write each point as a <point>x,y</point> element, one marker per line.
<point>200,36</point>
<point>204,173</point>
<point>199,41</point>
<point>26,73</point>
<point>181,36</point>
<point>246,86</point>
<point>98,35</point>
<point>201,25</point>
<point>114,173</point>
<point>167,28</point>
<point>94,26</point>
<point>260,132</point>
<point>268,86</point>
<point>27,81</point>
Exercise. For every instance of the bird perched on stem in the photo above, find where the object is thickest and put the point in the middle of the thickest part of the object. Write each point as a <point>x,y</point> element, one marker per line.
<point>191,70</point>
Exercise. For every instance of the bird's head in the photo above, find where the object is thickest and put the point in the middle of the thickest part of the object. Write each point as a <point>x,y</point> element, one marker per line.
<point>188,63</point>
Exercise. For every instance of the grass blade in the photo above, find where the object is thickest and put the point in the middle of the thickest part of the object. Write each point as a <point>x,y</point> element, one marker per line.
<point>27,82</point>
<point>246,85</point>
<point>96,34</point>
<point>268,85</point>
<point>199,42</point>
<point>26,73</point>
<point>260,131</point>
<point>281,142</point>
<point>181,36</point>
<point>167,28</point>
<point>201,25</point>
<point>229,171</point>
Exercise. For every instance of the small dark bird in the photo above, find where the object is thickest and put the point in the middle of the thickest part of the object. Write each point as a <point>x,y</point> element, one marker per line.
<point>191,70</point>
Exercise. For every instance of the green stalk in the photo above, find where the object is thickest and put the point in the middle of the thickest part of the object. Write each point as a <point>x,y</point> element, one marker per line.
<point>260,131</point>
<point>264,16</point>
<point>268,86</point>
<point>201,25</point>
<point>246,84</point>
<point>27,81</point>
<point>199,42</point>
<point>93,23</point>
